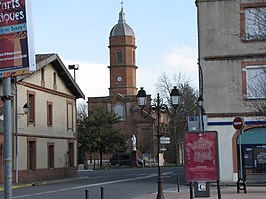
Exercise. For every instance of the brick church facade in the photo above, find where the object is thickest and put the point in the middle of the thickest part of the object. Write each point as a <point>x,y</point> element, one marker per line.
<point>122,92</point>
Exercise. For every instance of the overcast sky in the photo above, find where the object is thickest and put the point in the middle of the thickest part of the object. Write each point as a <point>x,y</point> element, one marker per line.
<point>78,31</point>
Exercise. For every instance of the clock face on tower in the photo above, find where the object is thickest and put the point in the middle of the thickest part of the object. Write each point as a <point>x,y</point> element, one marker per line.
<point>119,79</point>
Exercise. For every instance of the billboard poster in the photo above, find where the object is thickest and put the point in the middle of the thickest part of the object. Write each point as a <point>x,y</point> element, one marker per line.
<point>201,156</point>
<point>16,38</point>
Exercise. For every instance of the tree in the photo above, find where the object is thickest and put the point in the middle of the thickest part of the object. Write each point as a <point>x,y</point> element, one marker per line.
<point>100,134</point>
<point>82,116</point>
<point>187,107</point>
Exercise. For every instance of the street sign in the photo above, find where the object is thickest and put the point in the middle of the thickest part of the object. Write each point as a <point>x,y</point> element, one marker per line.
<point>202,186</point>
<point>193,123</point>
<point>165,140</point>
<point>238,123</point>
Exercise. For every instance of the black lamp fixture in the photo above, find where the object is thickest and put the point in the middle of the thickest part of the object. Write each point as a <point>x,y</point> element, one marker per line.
<point>74,67</point>
<point>200,101</point>
<point>201,112</point>
<point>158,107</point>
<point>175,97</point>
<point>142,98</point>
<point>26,108</point>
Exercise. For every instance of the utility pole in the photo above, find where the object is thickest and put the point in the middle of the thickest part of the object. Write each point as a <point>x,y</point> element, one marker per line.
<point>7,96</point>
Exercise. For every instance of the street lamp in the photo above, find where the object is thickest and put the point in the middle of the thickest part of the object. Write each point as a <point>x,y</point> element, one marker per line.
<point>158,107</point>
<point>200,105</point>
<point>74,67</point>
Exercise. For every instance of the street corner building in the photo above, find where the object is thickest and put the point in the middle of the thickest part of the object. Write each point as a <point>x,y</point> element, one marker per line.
<point>232,58</point>
<point>44,122</point>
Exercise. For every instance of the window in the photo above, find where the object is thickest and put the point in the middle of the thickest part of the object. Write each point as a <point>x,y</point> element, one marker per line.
<point>254,80</point>
<point>32,105</point>
<point>254,23</point>
<point>133,57</point>
<point>69,116</point>
<point>55,83</point>
<point>119,110</point>
<point>31,155</point>
<point>119,56</point>
<point>49,113</point>
<point>42,77</point>
<point>50,148</point>
<point>54,78</point>
<point>71,154</point>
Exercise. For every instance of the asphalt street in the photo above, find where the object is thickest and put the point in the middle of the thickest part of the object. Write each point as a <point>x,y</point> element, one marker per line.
<point>113,184</point>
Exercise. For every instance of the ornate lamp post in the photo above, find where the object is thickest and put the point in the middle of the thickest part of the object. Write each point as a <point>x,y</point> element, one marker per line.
<point>158,107</point>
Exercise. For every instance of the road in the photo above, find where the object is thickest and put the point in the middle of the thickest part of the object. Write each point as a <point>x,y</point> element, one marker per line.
<point>117,184</point>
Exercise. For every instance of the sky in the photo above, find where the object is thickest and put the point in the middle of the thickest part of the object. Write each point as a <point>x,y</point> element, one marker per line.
<point>78,31</point>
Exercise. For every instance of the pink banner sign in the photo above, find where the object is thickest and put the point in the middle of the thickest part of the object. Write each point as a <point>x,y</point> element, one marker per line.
<point>16,48</point>
<point>201,156</point>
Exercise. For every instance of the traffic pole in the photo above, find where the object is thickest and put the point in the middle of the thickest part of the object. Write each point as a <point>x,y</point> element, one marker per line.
<point>7,96</point>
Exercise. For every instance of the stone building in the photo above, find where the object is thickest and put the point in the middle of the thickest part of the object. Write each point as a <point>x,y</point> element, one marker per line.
<point>232,55</point>
<point>44,139</point>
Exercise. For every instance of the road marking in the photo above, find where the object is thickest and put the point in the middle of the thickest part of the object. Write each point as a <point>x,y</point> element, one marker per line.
<point>85,186</point>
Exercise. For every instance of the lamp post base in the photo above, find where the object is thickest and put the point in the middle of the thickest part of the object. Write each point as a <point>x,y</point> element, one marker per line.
<point>160,189</point>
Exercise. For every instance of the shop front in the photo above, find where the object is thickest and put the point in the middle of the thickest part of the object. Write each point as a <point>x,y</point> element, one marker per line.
<point>253,145</point>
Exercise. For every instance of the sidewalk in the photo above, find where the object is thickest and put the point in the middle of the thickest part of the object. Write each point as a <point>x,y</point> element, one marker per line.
<point>227,192</point>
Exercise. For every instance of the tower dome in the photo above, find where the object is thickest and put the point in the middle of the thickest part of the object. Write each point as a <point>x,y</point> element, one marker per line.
<point>122,28</point>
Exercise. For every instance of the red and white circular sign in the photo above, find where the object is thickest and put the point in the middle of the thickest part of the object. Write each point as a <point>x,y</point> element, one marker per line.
<point>238,123</point>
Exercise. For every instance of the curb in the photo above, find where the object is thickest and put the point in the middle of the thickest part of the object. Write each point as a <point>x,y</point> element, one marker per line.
<point>40,183</point>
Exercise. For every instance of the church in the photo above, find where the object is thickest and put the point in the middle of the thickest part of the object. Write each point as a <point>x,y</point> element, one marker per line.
<point>122,91</point>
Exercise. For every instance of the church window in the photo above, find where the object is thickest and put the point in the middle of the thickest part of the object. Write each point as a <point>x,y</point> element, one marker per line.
<point>119,110</point>
<point>133,57</point>
<point>119,56</point>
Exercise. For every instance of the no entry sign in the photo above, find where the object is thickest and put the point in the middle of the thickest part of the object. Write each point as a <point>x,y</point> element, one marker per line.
<point>238,123</point>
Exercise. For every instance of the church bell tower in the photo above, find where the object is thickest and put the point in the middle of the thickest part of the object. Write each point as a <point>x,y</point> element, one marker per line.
<point>122,58</point>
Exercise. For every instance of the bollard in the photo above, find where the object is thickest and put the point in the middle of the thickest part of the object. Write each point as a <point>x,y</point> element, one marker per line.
<point>241,185</point>
<point>86,194</point>
<point>178,182</point>
<point>102,193</point>
<point>218,189</point>
<point>191,190</point>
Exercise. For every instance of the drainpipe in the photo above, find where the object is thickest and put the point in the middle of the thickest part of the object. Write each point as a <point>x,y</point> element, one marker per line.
<point>16,129</point>
<point>199,54</point>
